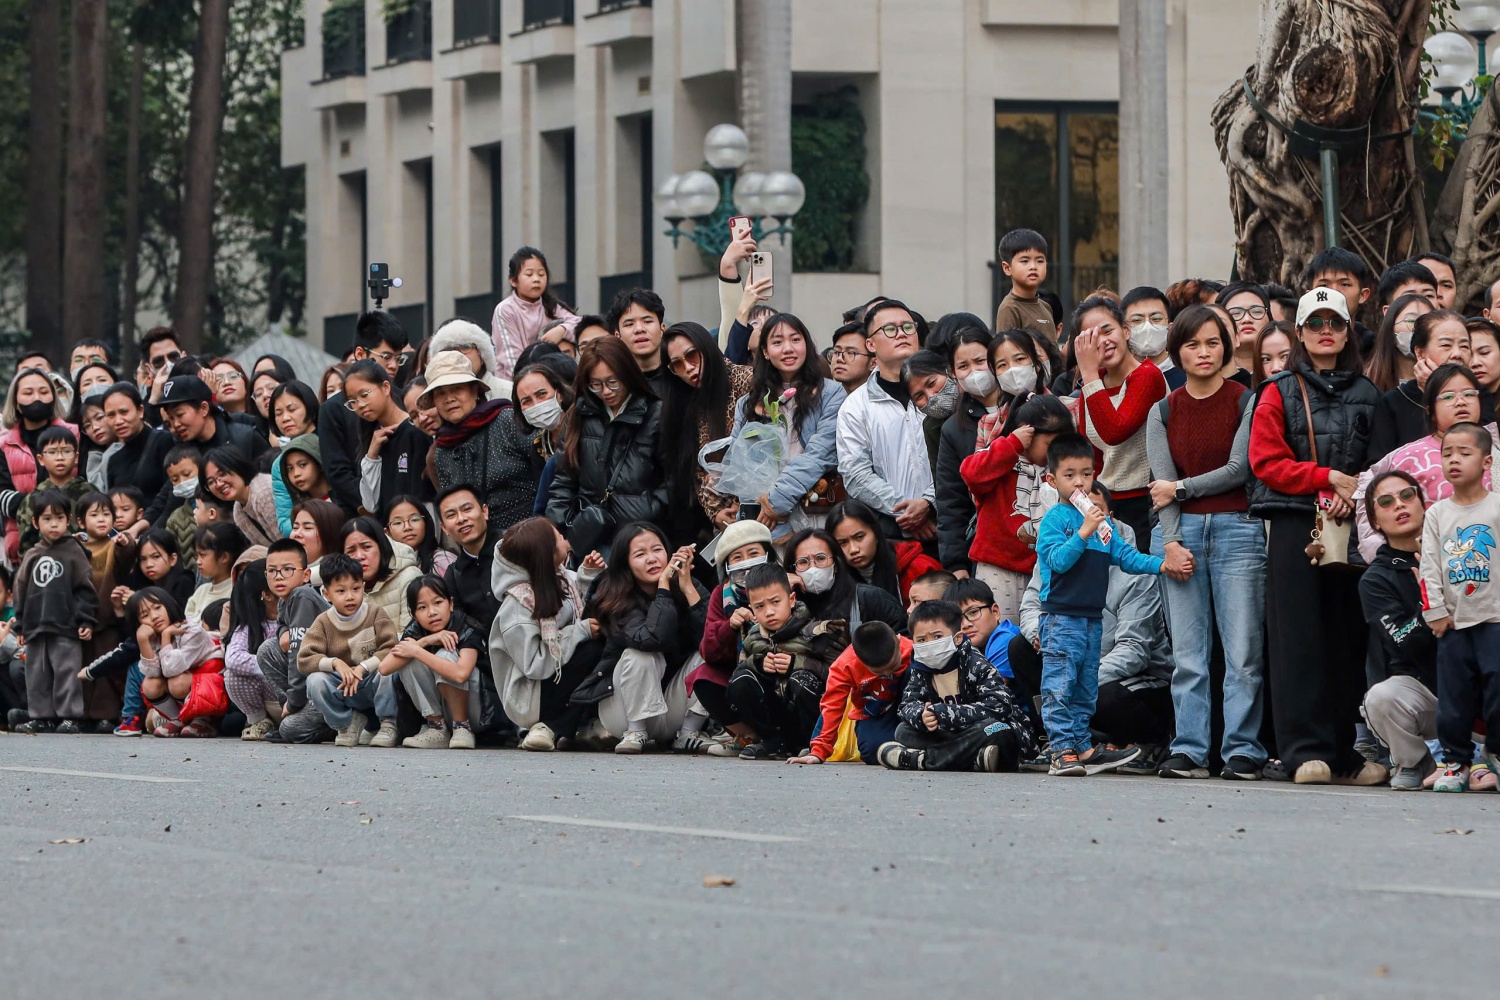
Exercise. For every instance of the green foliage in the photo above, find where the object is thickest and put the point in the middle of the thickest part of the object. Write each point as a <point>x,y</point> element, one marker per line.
<point>15,84</point>
<point>828,153</point>
<point>339,23</point>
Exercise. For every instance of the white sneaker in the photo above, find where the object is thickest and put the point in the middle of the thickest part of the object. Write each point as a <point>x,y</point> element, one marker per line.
<point>349,735</point>
<point>462,738</point>
<point>428,738</point>
<point>366,737</point>
<point>387,735</point>
<point>540,738</point>
<point>633,742</point>
<point>691,742</point>
<point>256,733</point>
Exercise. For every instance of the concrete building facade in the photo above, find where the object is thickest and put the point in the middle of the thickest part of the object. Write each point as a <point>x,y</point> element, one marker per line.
<point>463,129</point>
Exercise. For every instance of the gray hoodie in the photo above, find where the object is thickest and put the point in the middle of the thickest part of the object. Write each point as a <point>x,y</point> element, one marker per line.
<point>520,657</point>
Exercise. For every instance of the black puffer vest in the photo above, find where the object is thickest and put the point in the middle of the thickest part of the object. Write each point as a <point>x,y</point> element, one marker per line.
<point>1342,403</point>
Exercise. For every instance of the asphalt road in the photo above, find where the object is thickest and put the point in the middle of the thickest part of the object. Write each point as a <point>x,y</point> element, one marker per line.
<point>278,871</point>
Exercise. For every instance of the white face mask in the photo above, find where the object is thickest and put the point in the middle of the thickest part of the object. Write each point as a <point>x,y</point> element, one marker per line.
<point>935,654</point>
<point>979,383</point>
<point>1017,379</point>
<point>1148,340</point>
<point>186,488</point>
<point>817,579</point>
<point>738,571</point>
<point>1403,342</point>
<point>544,415</point>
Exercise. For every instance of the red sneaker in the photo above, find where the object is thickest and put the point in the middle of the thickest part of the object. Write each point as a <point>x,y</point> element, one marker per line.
<point>129,726</point>
<point>168,728</point>
<point>200,729</point>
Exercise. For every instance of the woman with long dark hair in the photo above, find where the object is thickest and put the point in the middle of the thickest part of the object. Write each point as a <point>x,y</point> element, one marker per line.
<point>388,567</point>
<point>1393,361</point>
<point>651,612</point>
<point>831,589</point>
<point>891,566</point>
<point>969,361</point>
<point>1400,415</point>
<point>252,620</point>
<point>408,521</point>
<point>541,645</point>
<point>609,463</point>
<point>786,360</point>
<point>531,307</point>
<point>698,407</point>
<point>1309,439</point>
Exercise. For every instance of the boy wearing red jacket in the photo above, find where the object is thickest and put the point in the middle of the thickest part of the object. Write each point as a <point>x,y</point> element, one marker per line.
<point>867,679</point>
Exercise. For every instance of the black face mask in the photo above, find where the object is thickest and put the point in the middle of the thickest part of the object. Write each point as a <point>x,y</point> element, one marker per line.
<point>35,411</point>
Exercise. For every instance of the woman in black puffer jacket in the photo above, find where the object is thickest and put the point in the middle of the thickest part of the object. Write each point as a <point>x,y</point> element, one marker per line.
<point>610,453</point>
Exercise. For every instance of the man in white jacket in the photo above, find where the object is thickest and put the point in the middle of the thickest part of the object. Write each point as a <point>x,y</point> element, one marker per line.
<point>881,449</point>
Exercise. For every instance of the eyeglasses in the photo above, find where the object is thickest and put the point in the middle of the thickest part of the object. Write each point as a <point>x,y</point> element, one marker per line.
<point>1388,500</point>
<point>848,354</point>
<point>975,613</point>
<point>1240,312</point>
<point>1337,324</point>
<point>354,402</point>
<point>170,358</point>
<point>692,359</point>
<point>894,330</point>
<point>212,481</point>
<point>1136,319</point>
<point>608,385</point>
<point>822,560</point>
<point>386,357</point>
<point>1467,395</point>
<point>282,572</point>
<point>1407,323</point>
<point>404,523</point>
<point>59,452</point>
<point>229,376</point>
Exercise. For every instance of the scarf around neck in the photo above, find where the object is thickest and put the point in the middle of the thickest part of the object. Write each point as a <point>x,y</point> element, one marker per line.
<point>453,435</point>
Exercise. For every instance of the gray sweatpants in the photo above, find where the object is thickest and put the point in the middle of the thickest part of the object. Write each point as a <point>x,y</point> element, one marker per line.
<point>1402,712</point>
<point>278,670</point>
<point>639,696</point>
<point>421,683</point>
<point>53,690</point>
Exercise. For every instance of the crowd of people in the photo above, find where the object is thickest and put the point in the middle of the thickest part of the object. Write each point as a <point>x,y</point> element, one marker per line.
<point>1210,528</point>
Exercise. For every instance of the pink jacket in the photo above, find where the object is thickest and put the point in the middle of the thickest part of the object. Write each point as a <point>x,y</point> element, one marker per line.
<point>516,325</point>
<point>23,476</point>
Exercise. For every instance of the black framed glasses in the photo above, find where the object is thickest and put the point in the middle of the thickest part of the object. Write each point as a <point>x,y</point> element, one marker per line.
<point>894,330</point>
<point>1240,312</point>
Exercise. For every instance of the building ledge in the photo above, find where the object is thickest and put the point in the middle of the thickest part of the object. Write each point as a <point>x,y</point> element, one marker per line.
<point>401,78</point>
<point>541,44</point>
<point>615,26</point>
<point>1052,14</point>
<point>470,61</point>
<point>339,92</point>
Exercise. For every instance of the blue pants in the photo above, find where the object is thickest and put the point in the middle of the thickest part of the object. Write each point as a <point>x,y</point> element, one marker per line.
<point>375,693</point>
<point>1070,679</point>
<point>869,733</point>
<point>134,704</point>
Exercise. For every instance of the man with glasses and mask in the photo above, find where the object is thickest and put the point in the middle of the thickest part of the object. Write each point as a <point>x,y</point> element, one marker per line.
<point>377,335</point>
<point>882,450</point>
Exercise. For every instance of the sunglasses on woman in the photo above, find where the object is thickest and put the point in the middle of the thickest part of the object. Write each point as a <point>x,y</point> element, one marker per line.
<point>692,358</point>
<point>1337,324</point>
<point>1388,500</point>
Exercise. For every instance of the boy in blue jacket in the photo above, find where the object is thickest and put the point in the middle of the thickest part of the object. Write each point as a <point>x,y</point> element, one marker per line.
<point>1074,552</point>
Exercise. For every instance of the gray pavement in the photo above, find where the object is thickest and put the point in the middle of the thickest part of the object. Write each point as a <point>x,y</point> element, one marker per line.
<point>276,871</point>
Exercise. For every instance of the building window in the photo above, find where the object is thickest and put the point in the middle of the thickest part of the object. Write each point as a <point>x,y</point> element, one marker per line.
<point>408,33</point>
<point>344,39</point>
<point>545,13</point>
<point>1057,170</point>
<point>475,22</point>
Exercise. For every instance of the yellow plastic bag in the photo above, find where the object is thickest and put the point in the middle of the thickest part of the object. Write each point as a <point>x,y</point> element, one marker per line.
<point>846,747</point>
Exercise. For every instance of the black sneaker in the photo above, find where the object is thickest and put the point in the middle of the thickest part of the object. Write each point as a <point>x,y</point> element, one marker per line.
<point>900,758</point>
<point>15,718</point>
<point>36,727</point>
<point>69,727</point>
<point>1037,765</point>
<point>1240,768</point>
<point>987,760</point>
<point>1275,770</point>
<point>1146,764</point>
<point>1180,765</point>
<point>764,750</point>
<point>1102,759</point>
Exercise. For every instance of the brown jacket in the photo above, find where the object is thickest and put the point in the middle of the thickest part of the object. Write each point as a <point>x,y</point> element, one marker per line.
<point>361,642</point>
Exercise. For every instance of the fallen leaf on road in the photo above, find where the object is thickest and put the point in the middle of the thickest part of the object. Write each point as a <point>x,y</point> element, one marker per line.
<point>1382,971</point>
<point>1461,833</point>
<point>717,881</point>
<point>351,802</point>
<point>70,840</point>
<point>368,820</point>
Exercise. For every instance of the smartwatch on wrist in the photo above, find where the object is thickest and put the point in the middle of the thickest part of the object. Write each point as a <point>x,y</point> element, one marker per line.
<point>1181,493</point>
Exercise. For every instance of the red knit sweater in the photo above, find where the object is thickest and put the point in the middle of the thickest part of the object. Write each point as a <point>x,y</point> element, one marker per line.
<point>1121,427</point>
<point>990,474</point>
<point>1201,435</point>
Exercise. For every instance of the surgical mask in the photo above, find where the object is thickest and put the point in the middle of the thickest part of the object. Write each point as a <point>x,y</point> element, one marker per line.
<point>1148,340</point>
<point>978,383</point>
<point>738,571</point>
<point>544,415</point>
<point>935,654</point>
<point>1018,379</point>
<point>817,579</point>
<point>1403,342</point>
<point>186,488</point>
<point>36,410</point>
<point>942,405</point>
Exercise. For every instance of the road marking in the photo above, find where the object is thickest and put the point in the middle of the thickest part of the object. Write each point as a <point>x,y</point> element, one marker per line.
<point>1432,890</point>
<point>681,831</point>
<point>101,774</point>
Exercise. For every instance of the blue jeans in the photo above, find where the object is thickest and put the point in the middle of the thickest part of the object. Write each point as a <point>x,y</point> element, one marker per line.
<point>134,704</point>
<point>869,733</point>
<point>375,692</point>
<point>1070,679</point>
<point>1226,591</point>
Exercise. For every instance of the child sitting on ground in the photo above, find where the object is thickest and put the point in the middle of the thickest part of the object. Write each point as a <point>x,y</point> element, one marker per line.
<point>57,455</point>
<point>435,659</point>
<point>778,686</point>
<point>252,621</point>
<point>1459,539</point>
<point>743,546</point>
<point>340,655</point>
<point>182,667</point>
<point>956,713</point>
<point>930,586</point>
<point>1074,552</point>
<point>55,608</point>
<point>217,546</point>
<point>865,683</point>
<point>298,606</point>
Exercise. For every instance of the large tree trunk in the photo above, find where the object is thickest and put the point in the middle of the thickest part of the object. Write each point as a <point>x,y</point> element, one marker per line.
<point>1464,223</point>
<point>131,251</point>
<point>1334,65</point>
<point>44,166</point>
<point>195,266</point>
<point>83,246</point>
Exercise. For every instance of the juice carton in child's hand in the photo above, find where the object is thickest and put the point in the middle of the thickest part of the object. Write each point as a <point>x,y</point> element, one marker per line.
<point>1081,500</point>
